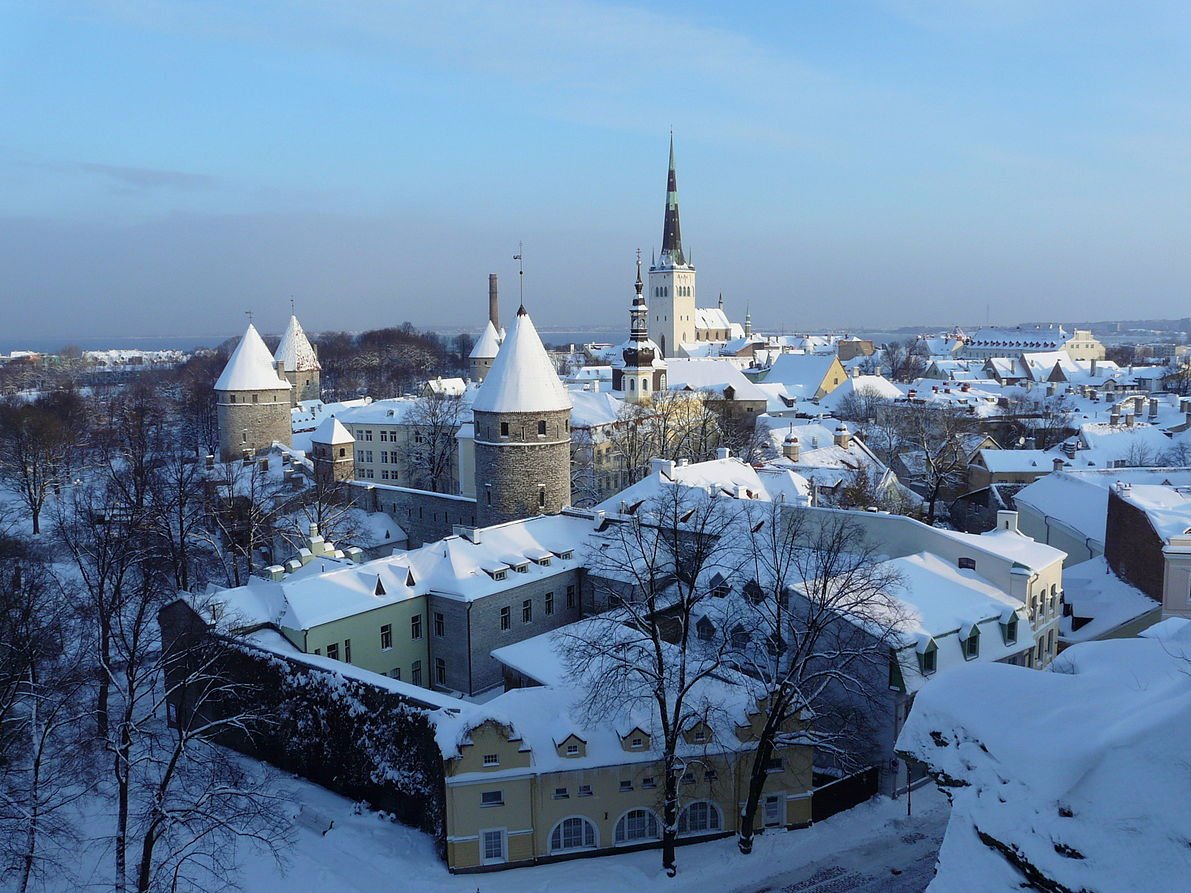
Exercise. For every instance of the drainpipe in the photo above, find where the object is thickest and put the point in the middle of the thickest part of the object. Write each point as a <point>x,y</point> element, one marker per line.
<point>469,686</point>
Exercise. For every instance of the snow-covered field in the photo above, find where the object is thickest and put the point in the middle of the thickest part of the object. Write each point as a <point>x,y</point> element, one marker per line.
<point>854,851</point>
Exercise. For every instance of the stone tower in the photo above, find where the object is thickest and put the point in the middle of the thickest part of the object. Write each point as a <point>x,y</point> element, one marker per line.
<point>334,451</point>
<point>301,363</point>
<point>522,432</point>
<point>252,398</point>
<point>638,370</point>
<point>479,362</point>
<point>672,280</point>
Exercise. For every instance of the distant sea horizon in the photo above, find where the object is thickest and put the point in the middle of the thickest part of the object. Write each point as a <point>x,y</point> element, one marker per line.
<point>550,335</point>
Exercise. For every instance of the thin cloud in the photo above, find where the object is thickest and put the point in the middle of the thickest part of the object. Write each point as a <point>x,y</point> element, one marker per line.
<point>140,178</point>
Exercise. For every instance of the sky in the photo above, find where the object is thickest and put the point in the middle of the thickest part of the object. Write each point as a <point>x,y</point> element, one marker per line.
<point>167,166</point>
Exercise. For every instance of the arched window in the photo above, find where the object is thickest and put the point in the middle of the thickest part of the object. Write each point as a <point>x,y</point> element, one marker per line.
<point>635,825</point>
<point>645,384</point>
<point>575,833</point>
<point>701,817</point>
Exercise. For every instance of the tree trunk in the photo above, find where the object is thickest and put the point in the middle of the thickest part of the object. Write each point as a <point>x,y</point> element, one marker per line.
<point>30,853</point>
<point>670,821</point>
<point>757,779</point>
<point>144,874</point>
<point>36,521</point>
<point>123,755</point>
<point>102,695</point>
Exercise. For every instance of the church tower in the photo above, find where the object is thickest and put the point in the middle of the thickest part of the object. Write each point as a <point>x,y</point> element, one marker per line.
<point>672,280</point>
<point>252,400</point>
<point>333,453</point>
<point>302,368</point>
<point>522,419</point>
<point>638,369</point>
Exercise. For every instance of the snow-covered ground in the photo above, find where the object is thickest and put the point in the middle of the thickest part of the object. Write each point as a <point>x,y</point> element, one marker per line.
<point>854,852</point>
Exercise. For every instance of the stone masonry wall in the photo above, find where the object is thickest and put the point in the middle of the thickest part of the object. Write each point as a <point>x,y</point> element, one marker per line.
<point>301,390</point>
<point>252,426</point>
<point>1132,548</point>
<point>512,468</point>
<point>423,515</point>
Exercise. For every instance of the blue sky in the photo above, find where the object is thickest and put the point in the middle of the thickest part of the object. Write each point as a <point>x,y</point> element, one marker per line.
<point>166,165</point>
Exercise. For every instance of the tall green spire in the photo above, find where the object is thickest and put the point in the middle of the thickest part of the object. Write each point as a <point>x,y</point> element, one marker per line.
<point>672,233</point>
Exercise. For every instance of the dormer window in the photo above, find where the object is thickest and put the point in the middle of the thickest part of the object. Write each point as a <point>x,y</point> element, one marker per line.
<point>491,759</point>
<point>971,645</point>
<point>565,555</point>
<point>572,750</point>
<point>522,568</point>
<point>967,564</point>
<point>700,735</point>
<point>1009,630</point>
<point>543,562</point>
<point>499,575</point>
<point>928,659</point>
<point>753,592</point>
<point>637,743</point>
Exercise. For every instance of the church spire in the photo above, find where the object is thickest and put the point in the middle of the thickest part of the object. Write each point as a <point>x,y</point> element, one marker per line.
<point>639,324</point>
<point>672,233</point>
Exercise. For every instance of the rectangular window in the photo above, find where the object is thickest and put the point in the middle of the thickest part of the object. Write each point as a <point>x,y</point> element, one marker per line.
<point>415,673</point>
<point>440,625</point>
<point>541,427</point>
<point>491,759</point>
<point>347,650</point>
<point>333,651</point>
<point>505,620</point>
<point>648,782</point>
<point>440,670</point>
<point>584,790</point>
<point>572,750</point>
<point>638,743</point>
<point>626,786</point>
<point>774,765</point>
<point>494,847</point>
<point>549,603</point>
<point>688,777</point>
<point>318,651</point>
<point>561,794</point>
<point>492,798</point>
<point>504,429</point>
<point>415,626</point>
<point>527,611</point>
<point>386,637</point>
<point>570,597</point>
<point>395,673</point>
<point>710,775</point>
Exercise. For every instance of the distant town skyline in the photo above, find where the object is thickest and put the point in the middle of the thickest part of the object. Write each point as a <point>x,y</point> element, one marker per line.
<point>166,166</point>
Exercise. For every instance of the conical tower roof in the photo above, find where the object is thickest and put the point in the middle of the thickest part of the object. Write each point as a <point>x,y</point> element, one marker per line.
<point>488,345</point>
<point>672,231</point>
<point>250,367</point>
<point>522,378</point>
<point>295,349</point>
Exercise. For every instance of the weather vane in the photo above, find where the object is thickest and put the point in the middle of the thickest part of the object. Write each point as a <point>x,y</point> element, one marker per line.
<point>520,272</point>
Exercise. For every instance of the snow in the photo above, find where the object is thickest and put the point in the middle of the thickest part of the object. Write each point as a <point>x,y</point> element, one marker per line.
<point>1167,507</point>
<point>1081,770</point>
<point>593,409</point>
<point>711,374</point>
<point>295,349</point>
<point>488,345</point>
<point>250,367</point>
<point>1095,592</point>
<point>730,477</point>
<point>802,374</point>
<point>866,386</point>
<point>364,853</point>
<point>1017,461</point>
<point>522,378</point>
<point>332,432</point>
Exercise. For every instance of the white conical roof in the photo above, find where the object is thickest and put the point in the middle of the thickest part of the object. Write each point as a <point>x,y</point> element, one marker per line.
<point>295,350</point>
<point>331,431</point>
<point>250,367</point>
<point>488,345</point>
<point>522,378</point>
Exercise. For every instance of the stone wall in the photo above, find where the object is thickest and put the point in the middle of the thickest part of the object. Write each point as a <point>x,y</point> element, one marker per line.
<point>424,516</point>
<point>306,385</point>
<point>245,425</point>
<point>521,474</point>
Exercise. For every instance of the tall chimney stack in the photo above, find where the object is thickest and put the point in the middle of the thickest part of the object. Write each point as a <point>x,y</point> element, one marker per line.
<point>493,302</point>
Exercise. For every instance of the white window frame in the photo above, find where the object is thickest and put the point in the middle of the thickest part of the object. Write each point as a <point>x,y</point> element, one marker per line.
<point>631,841</point>
<point>485,859</point>
<point>595,836</point>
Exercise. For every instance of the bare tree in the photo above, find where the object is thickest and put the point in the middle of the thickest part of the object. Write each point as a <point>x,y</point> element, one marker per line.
<point>905,360</point>
<point>674,425</point>
<point>245,504</point>
<point>40,681</point>
<point>36,445</point>
<point>932,449</point>
<point>653,567</point>
<point>812,626</point>
<point>430,454</point>
<point>329,504</point>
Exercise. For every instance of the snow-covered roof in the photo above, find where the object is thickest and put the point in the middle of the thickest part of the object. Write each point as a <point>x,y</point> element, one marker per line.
<point>726,477</point>
<point>1017,461</point>
<point>1019,338</point>
<point>295,349</point>
<point>711,318</point>
<point>522,378</point>
<point>488,345</point>
<point>1166,506</point>
<point>250,367</point>
<point>1080,772</point>
<point>332,432</point>
<point>866,386</point>
<point>711,374</point>
<point>591,409</point>
<point>1100,601</point>
<point>802,374</point>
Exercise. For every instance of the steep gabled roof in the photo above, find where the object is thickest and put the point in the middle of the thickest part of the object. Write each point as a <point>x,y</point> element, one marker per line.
<point>522,378</point>
<point>295,349</point>
<point>250,367</point>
